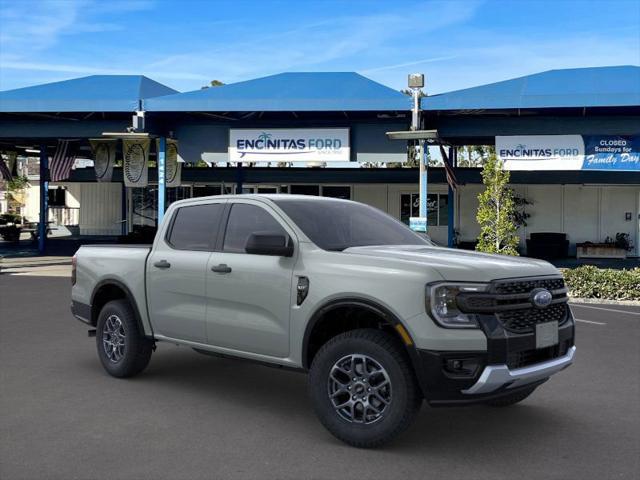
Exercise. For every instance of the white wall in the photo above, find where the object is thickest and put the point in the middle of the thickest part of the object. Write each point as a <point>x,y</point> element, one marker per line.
<point>583,212</point>
<point>375,195</point>
<point>100,208</point>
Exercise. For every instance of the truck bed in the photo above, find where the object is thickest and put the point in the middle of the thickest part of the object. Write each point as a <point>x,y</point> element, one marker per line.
<point>122,264</point>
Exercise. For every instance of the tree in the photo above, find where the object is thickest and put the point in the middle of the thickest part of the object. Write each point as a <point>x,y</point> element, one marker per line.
<point>213,83</point>
<point>496,211</point>
<point>474,155</point>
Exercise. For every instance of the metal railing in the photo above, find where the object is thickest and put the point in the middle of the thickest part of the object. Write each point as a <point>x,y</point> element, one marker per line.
<point>64,215</point>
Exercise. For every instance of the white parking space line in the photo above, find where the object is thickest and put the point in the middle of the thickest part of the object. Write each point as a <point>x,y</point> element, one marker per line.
<point>589,321</point>
<point>582,305</point>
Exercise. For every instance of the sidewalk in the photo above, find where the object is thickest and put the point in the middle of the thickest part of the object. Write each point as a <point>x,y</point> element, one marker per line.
<point>34,261</point>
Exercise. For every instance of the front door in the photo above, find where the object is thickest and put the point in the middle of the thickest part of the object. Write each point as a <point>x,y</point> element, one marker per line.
<point>249,296</point>
<point>176,272</point>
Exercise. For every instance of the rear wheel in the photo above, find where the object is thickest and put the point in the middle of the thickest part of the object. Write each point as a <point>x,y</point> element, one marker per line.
<point>123,349</point>
<point>363,389</point>
<point>511,399</point>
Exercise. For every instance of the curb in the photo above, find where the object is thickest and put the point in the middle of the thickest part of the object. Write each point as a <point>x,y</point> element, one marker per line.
<point>8,266</point>
<point>603,301</point>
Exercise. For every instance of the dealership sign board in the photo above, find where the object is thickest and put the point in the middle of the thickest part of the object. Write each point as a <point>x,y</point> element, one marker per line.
<point>289,145</point>
<point>569,152</point>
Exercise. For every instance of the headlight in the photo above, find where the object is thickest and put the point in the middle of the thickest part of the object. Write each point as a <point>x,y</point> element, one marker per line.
<point>443,307</point>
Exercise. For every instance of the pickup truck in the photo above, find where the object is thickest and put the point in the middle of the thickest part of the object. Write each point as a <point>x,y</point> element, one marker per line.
<point>379,317</point>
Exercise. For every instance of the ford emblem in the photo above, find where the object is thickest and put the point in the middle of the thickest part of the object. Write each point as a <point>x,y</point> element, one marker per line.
<point>541,298</point>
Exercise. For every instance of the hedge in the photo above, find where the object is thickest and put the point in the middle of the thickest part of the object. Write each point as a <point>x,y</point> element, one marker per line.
<point>588,281</point>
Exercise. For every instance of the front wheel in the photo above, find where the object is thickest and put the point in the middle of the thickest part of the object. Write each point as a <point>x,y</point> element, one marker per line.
<point>363,389</point>
<point>123,349</point>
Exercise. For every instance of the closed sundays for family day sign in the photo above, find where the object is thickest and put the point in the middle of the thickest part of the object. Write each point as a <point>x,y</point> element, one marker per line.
<point>569,152</point>
<point>289,145</point>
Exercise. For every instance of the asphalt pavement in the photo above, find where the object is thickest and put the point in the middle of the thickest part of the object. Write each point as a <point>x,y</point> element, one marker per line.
<point>190,416</point>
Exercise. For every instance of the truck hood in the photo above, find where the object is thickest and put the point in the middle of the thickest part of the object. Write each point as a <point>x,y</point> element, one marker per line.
<point>460,265</point>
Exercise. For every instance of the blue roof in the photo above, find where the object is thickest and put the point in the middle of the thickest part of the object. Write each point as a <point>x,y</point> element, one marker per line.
<point>96,93</point>
<point>577,87</point>
<point>298,92</point>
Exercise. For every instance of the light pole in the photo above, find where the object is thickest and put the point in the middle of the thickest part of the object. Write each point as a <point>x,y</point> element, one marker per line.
<point>416,83</point>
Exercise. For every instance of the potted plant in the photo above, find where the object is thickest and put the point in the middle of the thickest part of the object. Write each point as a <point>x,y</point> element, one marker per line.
<point>611,247</point>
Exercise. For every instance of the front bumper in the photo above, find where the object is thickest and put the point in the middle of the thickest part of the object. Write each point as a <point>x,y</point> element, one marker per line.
<point>510,363</point>
<point>495,377</point>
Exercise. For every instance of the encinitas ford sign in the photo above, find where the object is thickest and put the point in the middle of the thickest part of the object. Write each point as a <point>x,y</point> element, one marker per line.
<point>569,152</point>
<point>541,152</point>
<point>289,145</point>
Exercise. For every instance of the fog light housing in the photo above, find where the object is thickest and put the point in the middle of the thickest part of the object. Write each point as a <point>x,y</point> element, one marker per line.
<point>462,367</point>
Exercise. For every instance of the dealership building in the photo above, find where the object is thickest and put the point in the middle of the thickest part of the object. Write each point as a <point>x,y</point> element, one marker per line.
<point>570,137</point>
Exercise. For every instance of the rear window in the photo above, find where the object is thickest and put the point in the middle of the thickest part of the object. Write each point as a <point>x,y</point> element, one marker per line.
<point>196,227</point>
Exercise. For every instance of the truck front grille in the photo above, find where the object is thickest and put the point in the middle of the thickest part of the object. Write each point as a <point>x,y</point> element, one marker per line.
<point>525,320</point>
<point>511,302</point>
<point>525,358</point>
<point>525,286</point>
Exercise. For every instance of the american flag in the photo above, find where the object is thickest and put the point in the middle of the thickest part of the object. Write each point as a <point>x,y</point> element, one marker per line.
<point>448,169</point>
<point>62,161</point>
<point>5,172</point>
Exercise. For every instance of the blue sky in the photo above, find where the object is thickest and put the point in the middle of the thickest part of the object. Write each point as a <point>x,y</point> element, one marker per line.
<point>184,44</point>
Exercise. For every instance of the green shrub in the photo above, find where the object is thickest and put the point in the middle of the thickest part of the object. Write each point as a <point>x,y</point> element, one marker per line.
<point>588,281</point>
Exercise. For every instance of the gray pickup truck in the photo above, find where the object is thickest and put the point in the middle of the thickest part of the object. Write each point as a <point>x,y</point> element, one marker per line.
<point>379,316</point>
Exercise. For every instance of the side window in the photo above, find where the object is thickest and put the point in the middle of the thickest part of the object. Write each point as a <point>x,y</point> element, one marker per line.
<point>196,227</point>
<point>244,220</point>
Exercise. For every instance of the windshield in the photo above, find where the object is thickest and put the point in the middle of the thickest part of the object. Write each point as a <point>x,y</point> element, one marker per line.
<point>336,225</point>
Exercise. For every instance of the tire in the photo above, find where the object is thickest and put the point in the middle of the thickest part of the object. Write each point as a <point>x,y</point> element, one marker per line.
<point>511,399</point>
<point>389,377</point>
<point>134,351</point>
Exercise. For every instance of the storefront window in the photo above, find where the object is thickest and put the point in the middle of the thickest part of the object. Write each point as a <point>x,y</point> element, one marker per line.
<point>205,191</point>
<point>334,191</point>
<point>144,207</point>
<point>304,190</point>
<point>177,193</point>
<point>437,213</point>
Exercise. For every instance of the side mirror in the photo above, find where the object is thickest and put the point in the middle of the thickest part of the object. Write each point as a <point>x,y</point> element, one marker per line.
<point>266,243</point>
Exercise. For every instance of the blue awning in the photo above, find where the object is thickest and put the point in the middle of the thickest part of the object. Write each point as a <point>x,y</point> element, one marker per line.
<point>288,92</point>
<point>96,93</point>
<point>577,87</point>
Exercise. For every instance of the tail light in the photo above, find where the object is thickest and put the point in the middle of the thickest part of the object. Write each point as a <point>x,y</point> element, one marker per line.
<point>74,263</point>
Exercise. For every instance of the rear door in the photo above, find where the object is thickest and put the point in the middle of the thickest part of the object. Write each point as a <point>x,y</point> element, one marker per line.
<point>176,272</point>
<point>249,296</point>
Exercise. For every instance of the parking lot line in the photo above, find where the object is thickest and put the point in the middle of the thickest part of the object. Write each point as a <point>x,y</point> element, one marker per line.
<point>582,305</point>
<point>589,321</point>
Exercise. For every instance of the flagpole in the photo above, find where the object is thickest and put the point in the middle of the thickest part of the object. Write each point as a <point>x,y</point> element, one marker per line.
<point>44,199</point>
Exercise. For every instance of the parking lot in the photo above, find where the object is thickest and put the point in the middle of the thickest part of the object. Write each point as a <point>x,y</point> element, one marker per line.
<point>191,416</point>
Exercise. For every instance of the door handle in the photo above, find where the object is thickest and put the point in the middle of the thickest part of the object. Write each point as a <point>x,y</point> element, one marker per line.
<point>162,264</point>
<point>222,268</point>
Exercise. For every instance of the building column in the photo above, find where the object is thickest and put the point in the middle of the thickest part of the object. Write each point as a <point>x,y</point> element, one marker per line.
<point>423,178</point>
<point>453,159</point>
<point>162,181</point>
<point>239,177</point>
<point>44,199</point>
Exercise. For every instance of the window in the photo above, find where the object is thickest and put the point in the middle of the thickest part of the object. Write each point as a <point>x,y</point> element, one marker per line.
<point>195,228</point>
<point>332,191</point>
<point>304,190</point>
<point>177,193</point>
<point>244,220</point>
<point>57,197</point>
<point>437,212</point>
<point>336,225</point>
<point>206,191</point>
<point>144,210</point>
